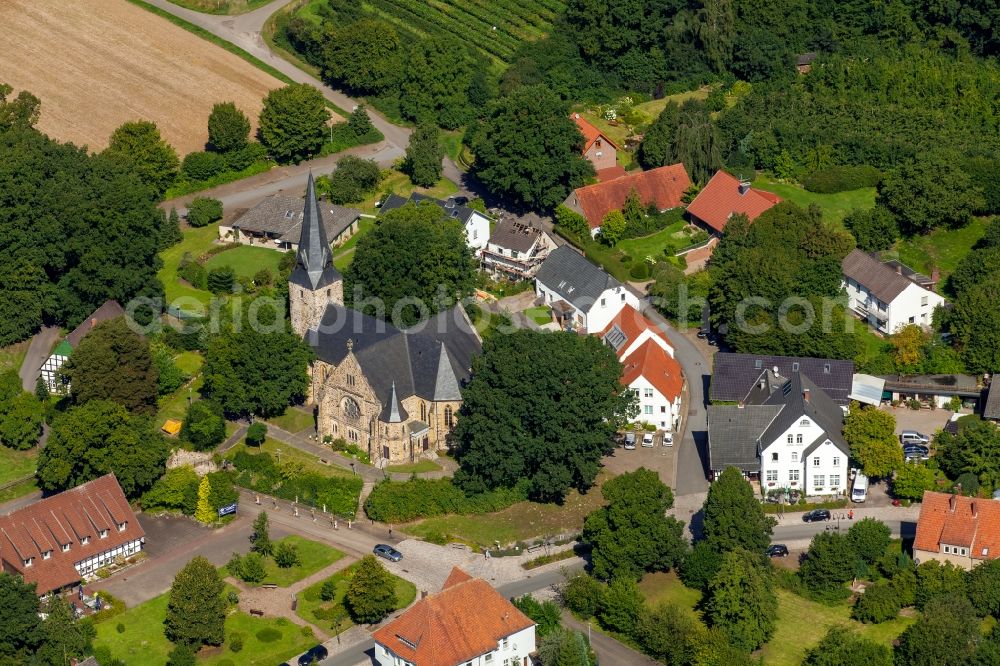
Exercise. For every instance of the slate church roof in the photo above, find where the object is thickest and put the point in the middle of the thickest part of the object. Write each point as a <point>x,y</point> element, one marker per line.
<point>432,359</point>
<point>314,261</point>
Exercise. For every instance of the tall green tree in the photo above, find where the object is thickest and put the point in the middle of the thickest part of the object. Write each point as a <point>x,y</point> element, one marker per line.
<point>871,434</point>
<point>869,538</point>
<point>741,600</point>
<point>658,143</point>
<point>261,537</point>
<point>415,252</point>
<point>733,516</point>
<point>911,480</point>
<point>293,121</point>
<point>363,56</point>
<point>204,425</point>
<point>621,606</point>
<point>564,647</point>
<point>21,112</point>
<point>21,631</point>
<point>841,646</point>
<point>371,594</point>
<point>974,449</point>
<point>670,634</point>
<point>545,614</point>
<point>21,422</point>
<point>250,371</point>
<point>830,562</point>
<point>975,324</point>
<point>632,534</point>
<point>138,146</point>
<point>67,639</point>
<point>435,83</point>
<point>424,155</point>
<point>946,634</point>
<point>697,143</point>
<point>228,128</point>
<point>874,229</point>
<point>528,150</point>
<point>984,588</point>
<point>203,512</point>
<point>541,409</point>
<point>196,611</point>
<point>929,192</point>
<point>114,363</point>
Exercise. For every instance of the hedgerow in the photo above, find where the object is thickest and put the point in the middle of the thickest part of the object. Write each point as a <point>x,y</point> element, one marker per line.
<point>403,501</point>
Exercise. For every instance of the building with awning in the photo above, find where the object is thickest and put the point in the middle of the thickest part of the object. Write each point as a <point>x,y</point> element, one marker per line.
<point>867,389</point>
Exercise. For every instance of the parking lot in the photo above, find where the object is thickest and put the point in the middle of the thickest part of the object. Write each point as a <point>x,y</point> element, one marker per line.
<point>659,458</point>
<point>926,421</point>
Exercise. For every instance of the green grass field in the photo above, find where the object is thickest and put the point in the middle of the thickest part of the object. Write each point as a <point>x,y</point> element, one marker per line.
<point>16,464</point>
<point>835,207</point>
<point>415,468</point>
<point>658,588</point>
<point>541,315</point>
<point>313,556</point>
<point>307,461</point>
<point>12,356</point>
<point>175,405</point>
<point>246,260</point>
<point>520,522</point>
<point>941,248</point>
<point>196,242</point>
<point>189,362</point>
<point>143,641</point>
<point>652,109</point>
<point>294,420</point>
<point>654,245</point>
<point>323,614</point>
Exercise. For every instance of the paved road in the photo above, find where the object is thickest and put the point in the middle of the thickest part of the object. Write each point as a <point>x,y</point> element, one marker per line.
<point>796,534</point>
<point>38,351</point>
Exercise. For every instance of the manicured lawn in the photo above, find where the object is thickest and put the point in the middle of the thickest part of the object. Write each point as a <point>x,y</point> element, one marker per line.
<point>415,468</point>
<point>520,522</point>
<point>615,132</point>
<point>658,588</point>
<point>540,315</point>
<point>294,420</point>
<point>834,206</point>
<point>12,356</point>
<point>246,260</point>
<point>313,556</point>
<point>673,237</point>
<point>196,242</point>
<point>16,464</point>
<point>175,405</point>
<point>189,362</point>
<point>312,608</point>
<point>265,640</point>
<point>802,624</point>
<point>941,248</point>
<point>306,461</point>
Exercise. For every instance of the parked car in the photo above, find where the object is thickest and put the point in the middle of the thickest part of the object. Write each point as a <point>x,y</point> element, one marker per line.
<point>702,334</point>
<point>647,439</point>
<point>313,655</point>
<point>629,441</point>
<point>916,453</point>
<point>859,492</point>
<point>388,552</point>
<point>918,448</point>
<point>668,439</point>
<point>816,515</point>
<point>913,437</point>
<point>778,550</point>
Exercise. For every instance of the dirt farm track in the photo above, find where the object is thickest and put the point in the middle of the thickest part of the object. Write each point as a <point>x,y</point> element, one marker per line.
<point>98,63</point>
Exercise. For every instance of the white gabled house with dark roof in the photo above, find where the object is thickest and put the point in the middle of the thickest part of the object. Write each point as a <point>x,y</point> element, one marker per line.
<point>582,296</point>
<point>888,295</point>
<point>477,225</point>
<point>791,439</point>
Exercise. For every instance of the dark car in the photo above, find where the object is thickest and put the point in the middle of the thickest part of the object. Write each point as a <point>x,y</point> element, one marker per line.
<point>916,448</point>
<point>816,515</point>
<point>388,552</point>
<point>778,550</point>
<point>702,334</point>
<point>313,655</point>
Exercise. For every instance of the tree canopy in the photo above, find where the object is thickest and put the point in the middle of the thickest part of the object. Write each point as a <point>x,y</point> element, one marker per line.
<point>871,434</point>
<point>733,516</point>
<point>100,437</point>
<point>196,611</point>
<point>371,594</point>
<point>139,148</point>
<point>114,363</point>
<point>632,534</point>
<point>741,600</point>
<point>228,128</point>
<point>841,646</point>
<point>974,449</point>
<point>528,150</point>
<point>946,634</point>
<point>423,156</point>
<point>293,122</point>
<point>541,409</point>
<point>414,263</point>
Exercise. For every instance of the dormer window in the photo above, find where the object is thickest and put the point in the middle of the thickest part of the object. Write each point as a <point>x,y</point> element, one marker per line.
<point>804,423</point>
<point>28,562</point>
<point>103,534</point>
<point>65,547</point>
<point>122,526</point>
<point>795,366</point>
<point>47,554</point>
<point>85,540</point>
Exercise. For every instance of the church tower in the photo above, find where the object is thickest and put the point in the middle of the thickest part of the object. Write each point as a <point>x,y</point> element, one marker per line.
<point>314,282</point>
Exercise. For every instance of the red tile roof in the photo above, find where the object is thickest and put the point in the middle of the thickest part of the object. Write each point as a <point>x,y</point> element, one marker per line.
<point>589,132</point>
<point>617,171</point>
<point>721,198</point>
<point>66,518</point>
<point>464,620</point>
<point>954,520</point>
<point>662,187</point>
<point>657,367</point>
<point>632,323</point>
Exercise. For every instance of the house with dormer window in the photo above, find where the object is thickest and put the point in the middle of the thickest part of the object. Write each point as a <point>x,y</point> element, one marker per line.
<point>962,530</point>
<point>582,296</point>
<point>789,438</point>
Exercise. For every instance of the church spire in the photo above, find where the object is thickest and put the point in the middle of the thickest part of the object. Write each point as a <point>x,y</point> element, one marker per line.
<point>314,257</point>
<point>394,409</point>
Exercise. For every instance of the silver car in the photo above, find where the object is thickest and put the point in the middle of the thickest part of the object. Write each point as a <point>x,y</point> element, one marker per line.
<point>629,441</point>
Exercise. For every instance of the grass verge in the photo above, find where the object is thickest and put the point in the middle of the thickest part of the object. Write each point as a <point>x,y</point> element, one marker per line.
<point>415,468</point>
<point>313,556</point>
<point>16,464</point>
<point>12,356</point>
<point>331,614</point>
<point>294,420</point>
<point>941,248</point>
<point>246,260</point>
<point>835,207</point>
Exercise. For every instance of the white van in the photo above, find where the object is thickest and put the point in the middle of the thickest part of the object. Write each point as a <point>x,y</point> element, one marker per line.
<point>859,493</point>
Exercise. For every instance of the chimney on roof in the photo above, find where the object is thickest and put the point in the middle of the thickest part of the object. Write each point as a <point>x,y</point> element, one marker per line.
<point>952,503</point>
<point>899,269</point>
<point>763,382</point>
<point>740,405</point>
<point>744,187</point>
<point>576,115</point>
<point>423,594</point>
<point>805,395</point>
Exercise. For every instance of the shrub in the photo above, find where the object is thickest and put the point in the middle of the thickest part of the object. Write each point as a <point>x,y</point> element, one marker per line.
<point>256,433</point>
<point>203,211</point>
<point>194,274</point>
<point>181,655</point>
<point>204,425</point>
<point>328,590</point>
<point>583,595</point>
<point>221,279</point>
<point>236,642</point>
<point>260,473</point>
<point>842,178</point>
<point>103,572</point>
<point>400,502</point>
<point>568,220</point>
<point>640,271</point>
<point>700,566</point>
<point>268,635</point>
<point>120,628</point>
<point>238,160</point>
<point>286,555</point>
<point>233,597</point>
<point>352,181</point>
<point>263,277</point>
<point>203,165</point>
<point>879,603</point>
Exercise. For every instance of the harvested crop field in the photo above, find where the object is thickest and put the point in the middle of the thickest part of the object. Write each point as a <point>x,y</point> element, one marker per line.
<point>98,63</point>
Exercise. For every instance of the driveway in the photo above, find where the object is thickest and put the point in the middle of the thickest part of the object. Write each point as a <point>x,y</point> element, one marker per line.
<point>927,421</point>
<point>661,459</point>
<point>39,349</point>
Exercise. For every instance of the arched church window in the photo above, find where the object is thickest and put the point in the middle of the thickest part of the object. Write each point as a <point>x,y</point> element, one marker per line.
<point>351,408</point>
<point>449,417</point>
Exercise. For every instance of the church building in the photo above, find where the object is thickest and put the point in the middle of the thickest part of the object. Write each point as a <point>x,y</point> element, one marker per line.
<point>393,392</point>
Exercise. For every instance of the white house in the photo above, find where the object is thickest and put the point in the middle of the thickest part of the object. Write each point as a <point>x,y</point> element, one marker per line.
<point>477,225</point>
<point>515,250</point>
<point>582,296</point>
<point>648,367</point>
<point>793,439</point>
<point>467,623</point>
<point>50,368</point>
<point>888,295</point>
